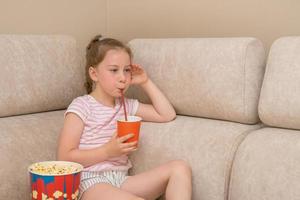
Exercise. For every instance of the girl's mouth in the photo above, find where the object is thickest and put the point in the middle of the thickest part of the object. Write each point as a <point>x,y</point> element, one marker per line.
<point>120,90</point>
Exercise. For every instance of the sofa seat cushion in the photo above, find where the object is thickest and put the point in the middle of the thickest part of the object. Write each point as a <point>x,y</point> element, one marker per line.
<point>208,145</point>
<point>24,140</point>
<point>266,166</point>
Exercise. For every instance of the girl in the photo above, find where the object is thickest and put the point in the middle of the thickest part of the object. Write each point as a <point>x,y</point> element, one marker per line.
<point>88,136</point>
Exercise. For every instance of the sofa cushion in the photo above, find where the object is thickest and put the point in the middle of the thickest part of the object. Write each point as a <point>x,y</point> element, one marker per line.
<point>266,166</point>
<point>38,73</point>
<point>208,145</point>
<point>216,78</point>
<point>279,103</point>
<point>24,140</point>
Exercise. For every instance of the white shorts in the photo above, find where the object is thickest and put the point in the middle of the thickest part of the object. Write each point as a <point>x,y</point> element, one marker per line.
<point>88,179</point>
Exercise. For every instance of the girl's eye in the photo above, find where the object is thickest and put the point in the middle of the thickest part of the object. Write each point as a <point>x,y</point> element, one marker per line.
<point>113,70</point>
<point>128,70</point>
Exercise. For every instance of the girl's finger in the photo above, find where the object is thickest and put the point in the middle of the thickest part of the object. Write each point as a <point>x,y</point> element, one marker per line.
<point>133,68</point>
<point>128,145</point>
<point>129,150</point>
<point>136,66</point>
<point>126,137</point>
<point>115,135</point>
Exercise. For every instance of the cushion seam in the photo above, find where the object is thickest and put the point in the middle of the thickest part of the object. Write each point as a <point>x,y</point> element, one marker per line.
<point>229,167</point>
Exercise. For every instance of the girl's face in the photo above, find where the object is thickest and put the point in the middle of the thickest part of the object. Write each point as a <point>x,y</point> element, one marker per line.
<point>113,74</point>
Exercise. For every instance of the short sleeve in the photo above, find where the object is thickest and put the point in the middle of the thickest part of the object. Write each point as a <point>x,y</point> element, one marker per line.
<point>132,105</point>
<point>80,107</point>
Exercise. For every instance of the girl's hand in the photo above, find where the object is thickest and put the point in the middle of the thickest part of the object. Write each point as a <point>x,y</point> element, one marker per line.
<point>117,146</point>
<point>138,75</point>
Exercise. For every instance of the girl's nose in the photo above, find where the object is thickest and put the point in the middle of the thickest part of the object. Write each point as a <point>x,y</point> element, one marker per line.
<point>122,77</point>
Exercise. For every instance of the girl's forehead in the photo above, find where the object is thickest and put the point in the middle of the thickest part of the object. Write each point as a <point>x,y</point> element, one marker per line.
<point>116,54</point>
<point>116,57</point>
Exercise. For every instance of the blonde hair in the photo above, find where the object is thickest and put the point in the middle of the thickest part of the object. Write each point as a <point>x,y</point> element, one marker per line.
<point>95,53</point>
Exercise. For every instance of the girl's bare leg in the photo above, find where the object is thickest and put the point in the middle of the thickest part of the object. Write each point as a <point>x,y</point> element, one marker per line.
<point>172,178</point>
<point>105,191</point>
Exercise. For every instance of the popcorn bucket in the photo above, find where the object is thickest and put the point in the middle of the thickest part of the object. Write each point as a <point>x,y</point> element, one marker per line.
<point>51,180</point>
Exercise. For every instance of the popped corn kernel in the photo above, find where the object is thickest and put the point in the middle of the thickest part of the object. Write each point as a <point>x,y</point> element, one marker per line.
<point>53,169</point>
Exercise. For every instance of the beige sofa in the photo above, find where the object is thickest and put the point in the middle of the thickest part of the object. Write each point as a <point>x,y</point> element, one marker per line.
<point>238,125</point>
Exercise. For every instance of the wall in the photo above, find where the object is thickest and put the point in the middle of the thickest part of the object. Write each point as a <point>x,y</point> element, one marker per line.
<point>265,19</point>
<point>82,19</point>
<point>127,19</point>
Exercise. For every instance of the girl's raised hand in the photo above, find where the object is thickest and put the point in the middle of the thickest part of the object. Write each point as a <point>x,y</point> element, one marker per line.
<point>118,147</point>
<point>138,75</point>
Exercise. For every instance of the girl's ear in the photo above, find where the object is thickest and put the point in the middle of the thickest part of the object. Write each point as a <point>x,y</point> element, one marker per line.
<point>93,74</point>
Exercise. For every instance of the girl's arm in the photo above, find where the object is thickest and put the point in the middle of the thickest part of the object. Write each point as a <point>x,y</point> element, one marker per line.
<point>69,142</point>
<point>161,109</point>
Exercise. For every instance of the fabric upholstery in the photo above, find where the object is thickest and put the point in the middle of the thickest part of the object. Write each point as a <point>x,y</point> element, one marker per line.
<point>279,104</point>
<point>26,139</point>
<point>208,145</point>
<point>38,73</point>
<point>217,78</point>
<point>266,166</point>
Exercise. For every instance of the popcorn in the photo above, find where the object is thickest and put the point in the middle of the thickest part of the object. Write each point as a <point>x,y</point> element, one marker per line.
<point>57,194</point>
<point>34,194</point>
<point>53,168</point>
<point>75,195</point>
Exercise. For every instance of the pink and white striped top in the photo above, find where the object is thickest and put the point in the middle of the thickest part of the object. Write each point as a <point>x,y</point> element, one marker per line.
<point>99,126</point>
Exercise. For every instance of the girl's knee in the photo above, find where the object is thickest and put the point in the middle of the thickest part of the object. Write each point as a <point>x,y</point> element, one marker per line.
<point>181,166</point>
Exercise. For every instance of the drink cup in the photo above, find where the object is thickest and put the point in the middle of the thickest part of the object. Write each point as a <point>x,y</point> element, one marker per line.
<point>132,125</point>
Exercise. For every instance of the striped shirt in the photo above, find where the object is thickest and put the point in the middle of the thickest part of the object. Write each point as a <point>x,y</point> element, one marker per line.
<point>100,125</point>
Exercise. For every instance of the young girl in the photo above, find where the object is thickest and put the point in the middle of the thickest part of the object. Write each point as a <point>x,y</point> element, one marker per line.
<point>89,133</point>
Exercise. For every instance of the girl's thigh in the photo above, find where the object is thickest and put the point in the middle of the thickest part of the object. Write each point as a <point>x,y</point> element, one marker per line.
<point>105,191</point>
<point>150,184</point>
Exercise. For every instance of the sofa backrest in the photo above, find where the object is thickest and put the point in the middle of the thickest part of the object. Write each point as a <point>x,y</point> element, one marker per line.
<point>279,103</point>
<point>38,73</point>
<point>216,78</point>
